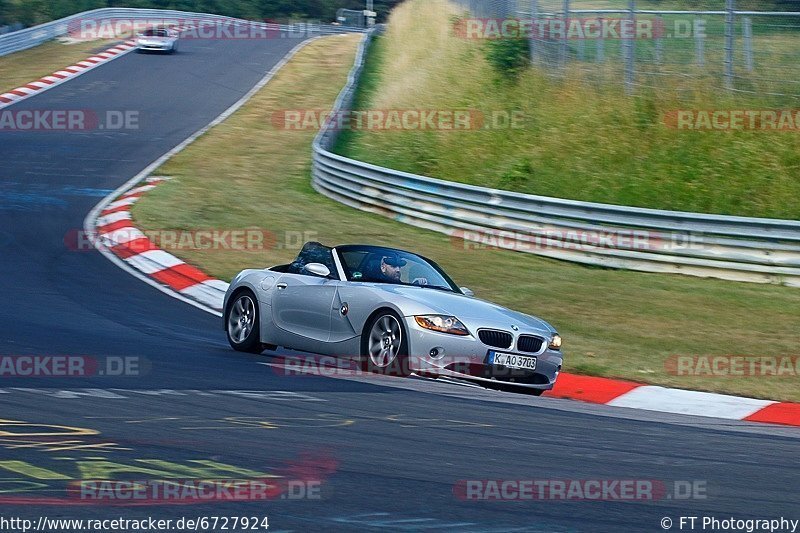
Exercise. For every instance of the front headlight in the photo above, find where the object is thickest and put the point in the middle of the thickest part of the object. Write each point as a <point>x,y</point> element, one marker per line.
<point>442,324</point>
<point>555,343</point>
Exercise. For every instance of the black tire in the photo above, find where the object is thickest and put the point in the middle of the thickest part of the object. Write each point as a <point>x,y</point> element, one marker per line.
<point>395,363</point>
<point>242,310</point>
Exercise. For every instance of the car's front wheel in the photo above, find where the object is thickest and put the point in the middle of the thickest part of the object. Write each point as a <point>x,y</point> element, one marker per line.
<point>384,347</point>
<point>242,323</point>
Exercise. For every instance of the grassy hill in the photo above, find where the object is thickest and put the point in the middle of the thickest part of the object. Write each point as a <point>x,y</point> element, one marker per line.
<point>581,137</point>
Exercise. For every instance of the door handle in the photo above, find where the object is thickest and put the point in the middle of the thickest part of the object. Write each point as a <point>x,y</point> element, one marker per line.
<point>281,286</point>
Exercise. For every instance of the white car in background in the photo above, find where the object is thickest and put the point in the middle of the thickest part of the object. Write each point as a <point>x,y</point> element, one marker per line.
<point>157,40</point>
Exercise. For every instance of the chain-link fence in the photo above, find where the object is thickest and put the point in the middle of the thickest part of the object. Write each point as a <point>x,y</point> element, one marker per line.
<point>491,8</point>
<point>717,42</point>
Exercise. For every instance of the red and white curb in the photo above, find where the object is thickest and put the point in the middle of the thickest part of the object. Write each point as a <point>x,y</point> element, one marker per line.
<point>115,231</point>
<point>652,398</point>
<point>66,74</point>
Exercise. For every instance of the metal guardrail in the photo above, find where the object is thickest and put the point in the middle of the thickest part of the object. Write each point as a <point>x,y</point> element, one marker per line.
<point>726,247</point>
<point>736,248</point>
<point>34,36</point>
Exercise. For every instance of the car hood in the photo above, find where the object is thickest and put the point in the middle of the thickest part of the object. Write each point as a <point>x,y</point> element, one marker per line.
<point>471,311</point>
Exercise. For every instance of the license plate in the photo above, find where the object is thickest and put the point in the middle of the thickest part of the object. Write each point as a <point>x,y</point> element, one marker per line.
<point>510,360</point>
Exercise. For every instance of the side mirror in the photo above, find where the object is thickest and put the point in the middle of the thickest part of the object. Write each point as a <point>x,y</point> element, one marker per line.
<point>467,292</point>
<point>318,269</point>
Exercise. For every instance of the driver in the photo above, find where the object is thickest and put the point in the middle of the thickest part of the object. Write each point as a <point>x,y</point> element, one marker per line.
<point>390,267</point>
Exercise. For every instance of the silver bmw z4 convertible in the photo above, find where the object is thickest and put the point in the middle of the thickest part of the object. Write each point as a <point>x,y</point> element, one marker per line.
<point>395,312</point>
<point>157,40</point>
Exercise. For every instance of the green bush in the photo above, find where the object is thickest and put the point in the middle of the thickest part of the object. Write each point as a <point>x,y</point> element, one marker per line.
<point>509,57</point>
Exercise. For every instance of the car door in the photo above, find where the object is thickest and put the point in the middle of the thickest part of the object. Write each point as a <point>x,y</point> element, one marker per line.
<point>342,328</point>
<point>301,308</point>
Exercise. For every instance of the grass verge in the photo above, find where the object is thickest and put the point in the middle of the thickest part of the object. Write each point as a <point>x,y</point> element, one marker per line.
<point>581,137</point>
<point>29,65</point>
<point>245,173</point>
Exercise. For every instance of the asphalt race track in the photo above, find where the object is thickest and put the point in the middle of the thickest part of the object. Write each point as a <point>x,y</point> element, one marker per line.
<point>388,453</point>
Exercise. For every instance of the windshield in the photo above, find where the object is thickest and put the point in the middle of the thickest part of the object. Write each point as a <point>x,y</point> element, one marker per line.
<point>386,265</point>
<point>156,33</point>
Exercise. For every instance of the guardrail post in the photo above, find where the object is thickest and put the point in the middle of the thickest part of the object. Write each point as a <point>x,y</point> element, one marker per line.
<point>747,24</point>
<point>600,45</point>
<point>730,17</point>
<point>700,48</point>
<point>659,39</point>
<point>630,51</point>
<point>534,18</point>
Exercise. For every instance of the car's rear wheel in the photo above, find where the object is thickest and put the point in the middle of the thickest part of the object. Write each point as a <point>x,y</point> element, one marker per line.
<point>384,347</point>
<point>242,323</point>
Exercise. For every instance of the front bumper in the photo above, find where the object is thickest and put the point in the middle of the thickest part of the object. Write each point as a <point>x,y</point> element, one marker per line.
<point>152,47</point>
<point>467,358</point>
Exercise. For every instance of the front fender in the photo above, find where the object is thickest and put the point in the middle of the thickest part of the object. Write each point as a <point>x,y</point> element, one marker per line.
<point>244,279</point>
